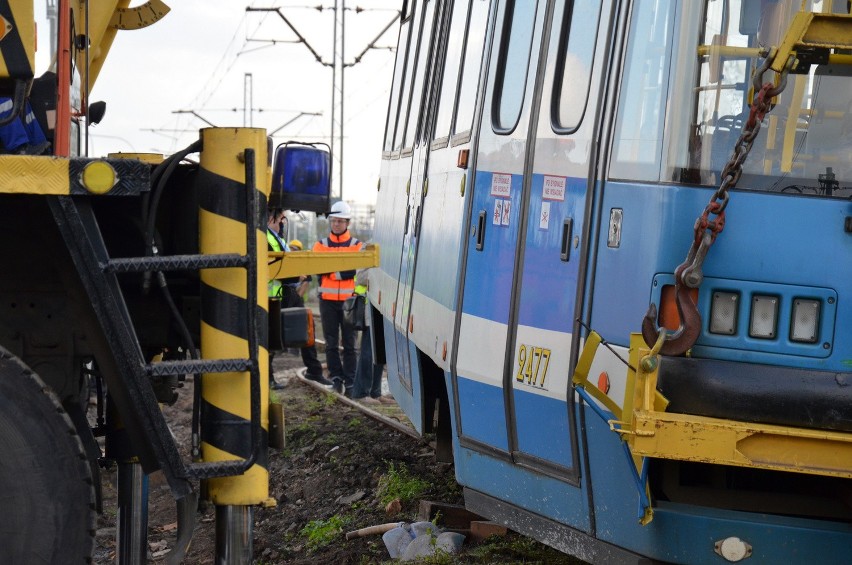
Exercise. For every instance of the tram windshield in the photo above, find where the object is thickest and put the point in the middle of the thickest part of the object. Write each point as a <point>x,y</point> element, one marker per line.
<point>690,89</point>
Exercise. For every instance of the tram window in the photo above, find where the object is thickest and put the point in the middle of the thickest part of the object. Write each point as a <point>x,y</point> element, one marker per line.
<point>805,142</point>
<point>430,84</point>
<point>407,79</point>
<point>512,65</point>
<point>452,63</point>
<point>420,73</point>
<point>644,91</point>
<point>399,73</point>
<point>574,65</point>
<point>474,45</point>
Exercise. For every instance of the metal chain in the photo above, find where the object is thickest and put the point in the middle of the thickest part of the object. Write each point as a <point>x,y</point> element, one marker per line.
<point>712,221</point>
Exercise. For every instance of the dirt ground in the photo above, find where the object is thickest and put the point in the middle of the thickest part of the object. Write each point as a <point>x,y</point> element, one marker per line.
<point>326,481</point>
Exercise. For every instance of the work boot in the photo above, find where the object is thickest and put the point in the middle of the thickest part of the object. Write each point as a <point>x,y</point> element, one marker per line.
<point>319,379</point>
<point>337,384</point>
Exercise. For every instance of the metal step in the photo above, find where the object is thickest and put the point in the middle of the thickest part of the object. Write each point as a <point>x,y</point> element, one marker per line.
<point>212,469</point>
<point>193,366</point>
<point>174,263</point>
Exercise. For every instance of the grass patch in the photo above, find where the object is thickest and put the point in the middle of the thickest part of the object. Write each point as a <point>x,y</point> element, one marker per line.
<point>354,423</point>
<point>320,533</point>
<point>314,404</point>
<point>399,483</point>
<point>513,548</point>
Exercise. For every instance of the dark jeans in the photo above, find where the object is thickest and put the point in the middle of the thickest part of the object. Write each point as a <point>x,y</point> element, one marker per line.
<point>368,376</point>
<point>291,299</point>
<point>337,333</point>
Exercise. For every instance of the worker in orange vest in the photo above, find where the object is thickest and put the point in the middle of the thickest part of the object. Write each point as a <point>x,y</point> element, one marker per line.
<point>334,288</point>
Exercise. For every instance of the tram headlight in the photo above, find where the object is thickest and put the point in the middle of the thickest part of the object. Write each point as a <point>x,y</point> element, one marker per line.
<point>724,313</point>
<point>804,325</point>
<point>764,317</point>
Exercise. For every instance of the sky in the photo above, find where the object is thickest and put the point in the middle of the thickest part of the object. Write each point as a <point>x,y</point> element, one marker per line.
<point>197,58</point>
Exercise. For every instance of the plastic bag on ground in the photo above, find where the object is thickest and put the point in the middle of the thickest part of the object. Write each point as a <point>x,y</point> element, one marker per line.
<point>420,539</point>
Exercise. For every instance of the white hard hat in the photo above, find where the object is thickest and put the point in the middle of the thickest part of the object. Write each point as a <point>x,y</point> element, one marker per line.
<point>341,209</point>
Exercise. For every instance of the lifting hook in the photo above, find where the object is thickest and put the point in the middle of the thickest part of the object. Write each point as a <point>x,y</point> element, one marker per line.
<point>685,336</point>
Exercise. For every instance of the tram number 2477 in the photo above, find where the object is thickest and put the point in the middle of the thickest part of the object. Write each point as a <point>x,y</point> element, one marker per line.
<point>532,365</point>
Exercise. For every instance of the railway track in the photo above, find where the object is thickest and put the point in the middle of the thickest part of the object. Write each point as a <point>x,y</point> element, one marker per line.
<point>389,415</point>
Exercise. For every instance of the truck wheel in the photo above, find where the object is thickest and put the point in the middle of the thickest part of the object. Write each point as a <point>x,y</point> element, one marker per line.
<point>47,510</point>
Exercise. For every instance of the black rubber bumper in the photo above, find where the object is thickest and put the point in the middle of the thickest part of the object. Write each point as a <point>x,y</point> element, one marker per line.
<point>757,393</point>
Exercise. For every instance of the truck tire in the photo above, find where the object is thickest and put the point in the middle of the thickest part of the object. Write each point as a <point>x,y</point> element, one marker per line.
<point>47,510</point>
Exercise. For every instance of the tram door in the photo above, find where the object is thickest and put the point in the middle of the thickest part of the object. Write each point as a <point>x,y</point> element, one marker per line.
<point>417,139</point>
<point>529,206</point>
<point>481,369</point>
<point>554,206</point>
<point>400,183</point>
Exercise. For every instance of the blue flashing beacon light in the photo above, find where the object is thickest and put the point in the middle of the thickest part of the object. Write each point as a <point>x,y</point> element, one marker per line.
<point>301,177</point>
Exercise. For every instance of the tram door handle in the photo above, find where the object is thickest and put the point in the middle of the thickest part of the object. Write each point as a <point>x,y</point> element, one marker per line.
<point>480,231</point>
<point>565,248</point>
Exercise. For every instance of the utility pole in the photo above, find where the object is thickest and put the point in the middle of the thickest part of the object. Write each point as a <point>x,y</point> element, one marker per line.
<point>334,95</point>
<point>342,88</point>
<point>248,100</point>
<point>338,64</point>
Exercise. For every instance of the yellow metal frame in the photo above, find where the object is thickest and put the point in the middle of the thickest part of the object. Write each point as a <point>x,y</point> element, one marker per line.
<point>25,174</point>
<point>288,264</point>
<point>809,30</point>
<point>651,432</point>
<point>806,30</point>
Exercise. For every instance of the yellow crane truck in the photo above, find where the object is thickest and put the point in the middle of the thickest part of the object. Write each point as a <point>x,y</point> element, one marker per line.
<point>121,276</point>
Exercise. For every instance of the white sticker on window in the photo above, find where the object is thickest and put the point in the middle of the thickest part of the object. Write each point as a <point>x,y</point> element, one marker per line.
<point>507,206</point>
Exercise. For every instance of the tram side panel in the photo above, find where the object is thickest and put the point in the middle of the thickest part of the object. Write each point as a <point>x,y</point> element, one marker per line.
<point>448,122</point>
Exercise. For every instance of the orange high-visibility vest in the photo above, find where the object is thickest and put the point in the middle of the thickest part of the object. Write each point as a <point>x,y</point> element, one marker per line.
<point>337,286</point>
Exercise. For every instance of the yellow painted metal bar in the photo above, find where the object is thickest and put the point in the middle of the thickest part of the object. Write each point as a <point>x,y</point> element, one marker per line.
<point>24,174</point>
<point>106,18</point>
<point>813,30</point>
<point>639,353</point>
<point>295,263</point>
<point>728,51</point>
<point>792,122</point>
<point>652,432</point>
<point>770,143</point>
<point>58,176</point>
<point>101,35</point>
<point>752,52</point>
<point>726,442</point>
<point>581,374</point>
<point>150,158</point>
<point>828,30</point>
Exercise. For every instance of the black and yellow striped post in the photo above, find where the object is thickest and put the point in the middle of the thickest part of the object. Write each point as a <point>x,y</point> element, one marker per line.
<point>17,56</point>
<point>17,39</point>
<point>225,411</point>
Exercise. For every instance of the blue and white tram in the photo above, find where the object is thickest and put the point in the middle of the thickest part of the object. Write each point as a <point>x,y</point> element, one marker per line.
<point>543,167</point>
